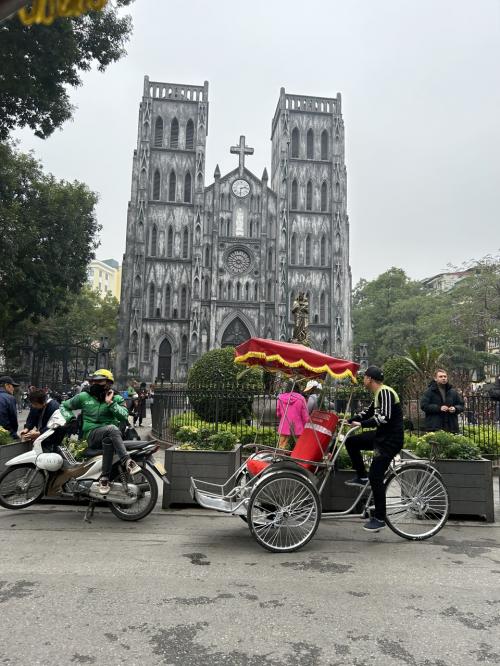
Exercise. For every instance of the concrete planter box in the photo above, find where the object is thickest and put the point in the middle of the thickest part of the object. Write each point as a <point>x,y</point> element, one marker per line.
<point>336,496</point>
<point>9,451</point>
<point>211,466</point>
<point>469,484</point>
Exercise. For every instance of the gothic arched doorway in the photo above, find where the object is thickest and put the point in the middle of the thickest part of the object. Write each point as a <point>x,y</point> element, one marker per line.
<point>165,360</point>
<point>235,334</point>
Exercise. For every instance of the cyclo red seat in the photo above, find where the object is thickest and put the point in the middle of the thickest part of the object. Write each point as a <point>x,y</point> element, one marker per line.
<point>311,444</point>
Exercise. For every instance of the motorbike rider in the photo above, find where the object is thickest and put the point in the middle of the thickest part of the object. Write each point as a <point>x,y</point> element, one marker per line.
<point>102,410</point>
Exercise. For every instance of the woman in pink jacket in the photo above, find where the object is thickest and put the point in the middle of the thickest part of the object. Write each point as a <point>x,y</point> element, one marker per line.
<point>291,409</point>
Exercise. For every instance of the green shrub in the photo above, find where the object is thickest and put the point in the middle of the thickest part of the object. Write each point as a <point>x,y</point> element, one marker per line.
<point>445,445</point>
<point>216,393</point>
<point>487,438</point>
<point>220,441</point>
<point>5,436</point>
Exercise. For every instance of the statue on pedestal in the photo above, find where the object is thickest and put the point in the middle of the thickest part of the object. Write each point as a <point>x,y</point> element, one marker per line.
<point>300,311</point>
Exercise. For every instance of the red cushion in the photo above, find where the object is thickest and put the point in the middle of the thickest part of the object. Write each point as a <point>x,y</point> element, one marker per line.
<point>311,445</point>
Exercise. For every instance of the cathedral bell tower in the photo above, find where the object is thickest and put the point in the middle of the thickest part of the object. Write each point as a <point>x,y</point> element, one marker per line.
<point>310,180</point>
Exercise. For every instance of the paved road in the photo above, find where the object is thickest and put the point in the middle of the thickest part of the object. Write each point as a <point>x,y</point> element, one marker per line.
<point>192,588</point>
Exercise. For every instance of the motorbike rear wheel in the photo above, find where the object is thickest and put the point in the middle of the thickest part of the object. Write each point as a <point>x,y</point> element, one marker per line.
<point>17,491</point>
<point>148,496</point>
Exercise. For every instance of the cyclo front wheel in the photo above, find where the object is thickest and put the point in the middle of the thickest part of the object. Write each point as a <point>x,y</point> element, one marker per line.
<point>417,501</point>
<point>21,486</point>
<point>284,511</point>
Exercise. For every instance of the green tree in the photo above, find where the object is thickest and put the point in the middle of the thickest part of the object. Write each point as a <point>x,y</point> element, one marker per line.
<point>39,62</point>
<point>48,237</point>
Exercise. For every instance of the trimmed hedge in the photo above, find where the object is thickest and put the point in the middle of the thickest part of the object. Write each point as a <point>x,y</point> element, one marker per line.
<point>441,444</point>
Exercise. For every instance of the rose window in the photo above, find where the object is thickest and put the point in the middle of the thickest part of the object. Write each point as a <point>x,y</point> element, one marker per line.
<point>238,261</point>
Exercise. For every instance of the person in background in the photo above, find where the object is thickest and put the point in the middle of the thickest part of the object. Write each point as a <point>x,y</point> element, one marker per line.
<point>291,409</point>
<point>8,406</point>
<point>42,408</point>
<point>441,404</point>
<point>313,393</point>
<point>142,396</point>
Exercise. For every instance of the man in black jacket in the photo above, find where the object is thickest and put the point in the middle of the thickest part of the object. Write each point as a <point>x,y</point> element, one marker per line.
<point>386,416</point>
<point>8,406</point>
<point>441,404</point>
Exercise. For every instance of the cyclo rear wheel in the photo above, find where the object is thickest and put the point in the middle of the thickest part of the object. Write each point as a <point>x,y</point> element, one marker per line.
<point>284,511</point>
<point>418,504</point>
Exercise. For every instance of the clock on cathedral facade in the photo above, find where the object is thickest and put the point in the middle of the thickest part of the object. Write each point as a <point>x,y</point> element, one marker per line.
<point>210,266</point>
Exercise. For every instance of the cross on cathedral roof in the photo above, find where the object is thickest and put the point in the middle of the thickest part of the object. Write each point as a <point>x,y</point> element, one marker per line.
<point>242,150</point>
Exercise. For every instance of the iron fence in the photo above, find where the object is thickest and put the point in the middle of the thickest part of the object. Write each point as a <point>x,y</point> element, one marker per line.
<point>245,413</point>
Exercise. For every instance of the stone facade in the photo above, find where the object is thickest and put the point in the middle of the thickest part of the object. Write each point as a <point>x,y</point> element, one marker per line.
<point>209,266</point>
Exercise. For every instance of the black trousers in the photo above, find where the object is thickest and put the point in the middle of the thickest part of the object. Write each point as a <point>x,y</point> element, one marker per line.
<point>381,460</point>
<point>108,441</point>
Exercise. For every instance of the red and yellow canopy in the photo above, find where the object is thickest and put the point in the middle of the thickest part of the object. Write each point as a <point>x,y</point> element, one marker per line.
<point>293,359</point>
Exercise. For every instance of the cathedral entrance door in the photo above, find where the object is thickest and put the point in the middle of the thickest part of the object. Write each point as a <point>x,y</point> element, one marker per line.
<point>165,360</point>
<point>235,334</point>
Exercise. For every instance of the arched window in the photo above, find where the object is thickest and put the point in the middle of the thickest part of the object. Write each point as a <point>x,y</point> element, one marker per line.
<point>137,286</point>
<point>185,243</point>
<point>174,133</point>
<point>158,132</point>
<point>168,301</point>
<point>295,195</point>
<point>247,291</point>
<point>270,260</point>
<point>324,145</point>
<point>310,145</point>
<point>207,256</point>
<point>187,188</point>
<point>295,142</point>
<point>189,135</point>
<point>325,346</point>
<point>322,251</point>
<point>151,301</point>
<point>293,249</point>
<point>337,191</point>
<point>156,185</point>
<point>146,348</point>
<point>309,196</point>
<point>183,313</point>
<point>222,226</point>
<point>184,348</point>
<point>196,288</point>
<point>206,289</point>
<point>228,227</point>
<point>308,250</point>
<point>154,241</point>
<point>221,289</point>
<point>222,202</point>
<point>269,290</point>
<point>322,309</point>
<point>256,292</point>
<point>170,242</point>
<point>238,291</point>
<point>134,342</point>
<point>172,184</point>
<point>324,197</point>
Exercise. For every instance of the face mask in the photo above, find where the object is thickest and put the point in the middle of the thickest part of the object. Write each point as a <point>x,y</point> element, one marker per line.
<point>97,391</point>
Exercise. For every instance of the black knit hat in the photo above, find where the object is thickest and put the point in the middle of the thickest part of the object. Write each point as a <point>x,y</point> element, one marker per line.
<point>374,372</point>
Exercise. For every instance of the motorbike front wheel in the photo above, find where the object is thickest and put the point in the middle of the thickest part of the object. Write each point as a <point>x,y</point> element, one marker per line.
<point>146,501</point>
<point>21,486</point>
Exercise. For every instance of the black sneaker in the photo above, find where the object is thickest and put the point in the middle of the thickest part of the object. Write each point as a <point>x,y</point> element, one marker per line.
<point>357,482</point>
<point>374,525</point>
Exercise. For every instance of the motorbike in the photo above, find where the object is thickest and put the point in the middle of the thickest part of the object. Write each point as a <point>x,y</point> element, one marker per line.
<point>51,470</point>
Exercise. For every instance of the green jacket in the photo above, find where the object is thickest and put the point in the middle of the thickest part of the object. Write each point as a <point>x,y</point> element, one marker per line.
<point>95,414</point>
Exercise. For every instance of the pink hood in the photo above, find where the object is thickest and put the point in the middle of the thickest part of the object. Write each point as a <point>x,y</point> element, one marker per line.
<point>295,416</point>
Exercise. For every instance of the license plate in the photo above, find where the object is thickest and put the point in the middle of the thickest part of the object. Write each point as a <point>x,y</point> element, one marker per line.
<point>160,467</point>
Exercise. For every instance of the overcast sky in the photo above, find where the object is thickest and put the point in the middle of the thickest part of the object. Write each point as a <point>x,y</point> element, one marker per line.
<point>420,84</point>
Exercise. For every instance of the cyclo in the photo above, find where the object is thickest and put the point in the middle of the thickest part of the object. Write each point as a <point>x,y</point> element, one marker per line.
<point>278,492</point>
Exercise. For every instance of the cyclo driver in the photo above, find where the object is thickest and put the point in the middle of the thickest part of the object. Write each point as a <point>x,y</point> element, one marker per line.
<point>102,412</point>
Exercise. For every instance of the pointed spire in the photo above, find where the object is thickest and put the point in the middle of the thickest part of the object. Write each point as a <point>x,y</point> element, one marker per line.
<point>217,172</point>
<point>264,175</point>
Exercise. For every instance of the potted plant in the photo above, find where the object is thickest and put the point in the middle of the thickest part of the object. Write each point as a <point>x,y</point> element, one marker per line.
<point>466,474</point>
<point>10,448</point>
<point>201,454</point>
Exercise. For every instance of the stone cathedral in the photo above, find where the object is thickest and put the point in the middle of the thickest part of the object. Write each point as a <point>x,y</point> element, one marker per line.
<point>209,266</point>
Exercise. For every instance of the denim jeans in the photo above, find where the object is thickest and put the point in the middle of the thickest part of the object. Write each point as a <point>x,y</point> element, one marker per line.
<point>106,440</point>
